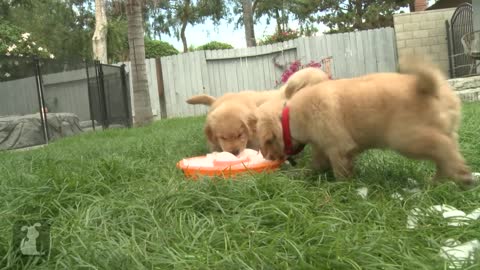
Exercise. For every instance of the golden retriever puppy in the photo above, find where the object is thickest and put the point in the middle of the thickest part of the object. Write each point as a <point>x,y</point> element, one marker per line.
<point>414,112</point>
<point>228,126</point>
<point>230,123</point>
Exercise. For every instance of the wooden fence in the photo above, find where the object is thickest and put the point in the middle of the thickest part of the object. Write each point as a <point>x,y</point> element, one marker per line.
<point>259,68</point>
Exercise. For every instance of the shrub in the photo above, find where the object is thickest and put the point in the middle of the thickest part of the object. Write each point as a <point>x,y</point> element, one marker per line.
<point>214,45</point>
<point>16,42</point>
<point>19,46</point>
<point>280,37</point>
<point>158,48</point>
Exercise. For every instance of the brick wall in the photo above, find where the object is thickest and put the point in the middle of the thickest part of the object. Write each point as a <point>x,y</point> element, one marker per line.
<point>424,34</point>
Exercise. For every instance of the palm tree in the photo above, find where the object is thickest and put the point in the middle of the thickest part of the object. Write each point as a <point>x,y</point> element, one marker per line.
<point>248,22</point>
<point>136,43</point>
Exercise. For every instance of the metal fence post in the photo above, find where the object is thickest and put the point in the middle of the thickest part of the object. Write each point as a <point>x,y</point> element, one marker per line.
<point>449,48</point>
<point>92,114</point>
<point>101,93</point>
<point>125,92</point>
<point>41,101</point>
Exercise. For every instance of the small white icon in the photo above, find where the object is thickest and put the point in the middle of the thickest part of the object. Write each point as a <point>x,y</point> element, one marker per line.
<point>29,247</point>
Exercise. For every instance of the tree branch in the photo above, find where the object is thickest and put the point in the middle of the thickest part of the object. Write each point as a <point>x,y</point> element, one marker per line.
<point>254,6</point>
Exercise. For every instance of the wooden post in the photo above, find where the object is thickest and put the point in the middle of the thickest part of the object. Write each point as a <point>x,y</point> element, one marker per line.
<point>161,89</point>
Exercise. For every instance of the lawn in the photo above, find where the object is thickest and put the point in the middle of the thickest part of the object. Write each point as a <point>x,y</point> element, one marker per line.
<point>116,201</point>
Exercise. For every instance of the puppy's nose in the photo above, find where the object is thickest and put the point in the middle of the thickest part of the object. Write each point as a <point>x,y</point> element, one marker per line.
<point>235,152</point>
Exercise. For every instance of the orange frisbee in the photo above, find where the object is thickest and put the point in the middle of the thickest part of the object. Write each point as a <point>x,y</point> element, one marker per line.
<point>227,165</point>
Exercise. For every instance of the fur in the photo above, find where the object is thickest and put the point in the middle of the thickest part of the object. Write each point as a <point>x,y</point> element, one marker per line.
<point>414,112</point>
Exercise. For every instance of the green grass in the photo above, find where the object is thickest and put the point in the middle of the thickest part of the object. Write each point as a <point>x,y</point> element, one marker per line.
<point>116,201</point>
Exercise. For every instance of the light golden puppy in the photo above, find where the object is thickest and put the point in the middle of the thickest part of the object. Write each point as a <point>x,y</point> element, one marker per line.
<point>414,112</point>
<point>230,123</point>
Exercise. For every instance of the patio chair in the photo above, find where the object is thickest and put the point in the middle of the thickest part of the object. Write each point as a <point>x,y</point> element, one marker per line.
<point>471,47</point>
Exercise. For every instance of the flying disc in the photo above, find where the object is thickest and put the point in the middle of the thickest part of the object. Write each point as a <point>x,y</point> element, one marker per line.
<point>227,165</point>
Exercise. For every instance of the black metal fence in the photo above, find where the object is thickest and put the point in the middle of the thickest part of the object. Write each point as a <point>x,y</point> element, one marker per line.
<point>44,99</point>
<point>109,95</point>
<point>460,24</point>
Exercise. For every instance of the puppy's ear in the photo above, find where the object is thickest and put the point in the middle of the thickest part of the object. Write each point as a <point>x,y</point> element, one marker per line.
<point>209,133</point>
<point>269,137</point>
<point>251,123</point>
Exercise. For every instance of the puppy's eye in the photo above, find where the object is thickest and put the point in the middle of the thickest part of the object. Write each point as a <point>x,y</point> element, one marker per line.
<point>239,135</point>
<point>269,142</point>
<point>223,138</point>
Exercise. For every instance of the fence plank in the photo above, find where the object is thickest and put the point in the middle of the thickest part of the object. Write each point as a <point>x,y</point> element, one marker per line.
<point>352,60</point>
<point>328,41</point>
<point>173,86</point>
<point>152,86</point>
<point>391,51</point>
<point>370,56</point>
<point>360,52</point>
<point>204,79</point>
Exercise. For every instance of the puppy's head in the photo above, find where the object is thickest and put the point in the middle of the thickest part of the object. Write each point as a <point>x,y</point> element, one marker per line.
<point>231,127</point>
<point>269,129</point>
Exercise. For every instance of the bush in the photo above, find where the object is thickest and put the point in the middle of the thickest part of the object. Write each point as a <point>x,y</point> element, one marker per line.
<point>18,46</point>
<point>16,42</point>
<point>158,48</point>
<point>280,37</point>
<point>214,45</point>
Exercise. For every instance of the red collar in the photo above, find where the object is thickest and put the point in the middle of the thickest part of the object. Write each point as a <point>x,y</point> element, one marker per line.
<point>287,137</point>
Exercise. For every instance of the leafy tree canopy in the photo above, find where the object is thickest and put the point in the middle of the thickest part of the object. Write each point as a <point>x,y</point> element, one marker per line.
<point>157,48</point>
<point>351,15</point>
<point>214,45</point>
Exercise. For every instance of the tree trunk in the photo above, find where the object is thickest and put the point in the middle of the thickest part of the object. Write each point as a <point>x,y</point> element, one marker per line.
<point>99,38</point>
<point>278,20</point>
<point>358,24</point>
<point>184,19</point>
<point>183,37</point>
<point>248,23</point>
<point>136,43</point>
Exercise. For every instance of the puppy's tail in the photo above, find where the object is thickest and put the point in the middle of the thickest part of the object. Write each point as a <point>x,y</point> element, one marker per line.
<point>302,78</point>
<point>292,86</point>
<point>427,74</point>
<point>201,99</point>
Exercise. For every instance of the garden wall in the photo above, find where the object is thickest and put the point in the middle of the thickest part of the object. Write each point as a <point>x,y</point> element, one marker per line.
<point>424,34</point>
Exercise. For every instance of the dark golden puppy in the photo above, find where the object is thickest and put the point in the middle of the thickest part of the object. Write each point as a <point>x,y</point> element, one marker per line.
<point>233,135</point>
<point>229,125</point>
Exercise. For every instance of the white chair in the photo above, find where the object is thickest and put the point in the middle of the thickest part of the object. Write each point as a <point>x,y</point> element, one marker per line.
<point>471,47</point>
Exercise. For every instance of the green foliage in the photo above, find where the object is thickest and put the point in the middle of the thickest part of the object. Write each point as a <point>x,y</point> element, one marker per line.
<point>214,45</point>
<point>9,34</point>
<point>16,49</point>
<point>158,48</point>
<point>117,39</point>
<point>280,37</point>
<point>347,16</point>
<point>172,17</point>
<point>16,42</point>
<point>56,25</point>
